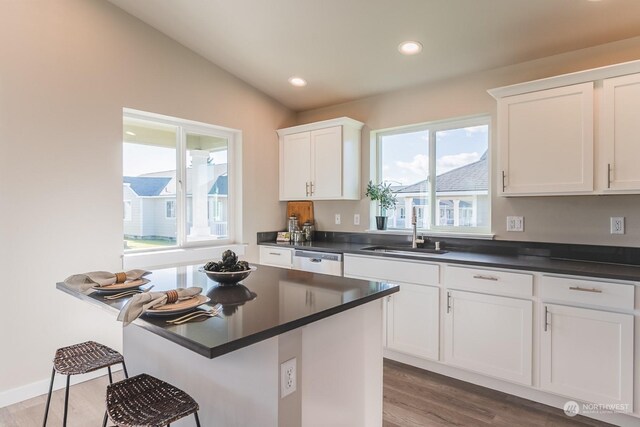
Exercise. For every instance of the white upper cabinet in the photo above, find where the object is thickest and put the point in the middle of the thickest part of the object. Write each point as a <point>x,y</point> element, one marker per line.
<point>320,161</point>
<point>545,142</point>
<point>621,134</point>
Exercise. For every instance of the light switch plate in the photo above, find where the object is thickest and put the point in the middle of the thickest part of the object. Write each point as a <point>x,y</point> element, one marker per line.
<point>515,223</point>
<point>617,225</point>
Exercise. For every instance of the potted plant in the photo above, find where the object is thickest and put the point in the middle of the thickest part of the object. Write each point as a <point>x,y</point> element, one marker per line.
<point>382,194</point>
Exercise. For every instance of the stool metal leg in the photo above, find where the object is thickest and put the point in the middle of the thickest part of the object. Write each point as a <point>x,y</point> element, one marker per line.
<point>195,414</point>
<point>110,377</point>
<point>104,420</point>
<point>66,402</point>
<point>124,366</point>
<point>46,409</point>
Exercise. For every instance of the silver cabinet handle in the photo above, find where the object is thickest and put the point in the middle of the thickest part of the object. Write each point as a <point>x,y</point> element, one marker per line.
<point>275,253</point>
<point>503,184</point>
<point>448,302</point>
<point>480,276</point>
<point>578,288</point>
<point>311,190</point>
<point>315,259</point>
<point>608,175</point>
<point>546,318</point>
<point>306,186</point>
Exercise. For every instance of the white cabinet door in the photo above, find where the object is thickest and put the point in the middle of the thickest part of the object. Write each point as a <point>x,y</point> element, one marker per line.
<point>321,160</point>
<point>587,354</point>
<point>546,142</point>
<point>295,161</point>
<point>620,133</point>
<point>489,334</point>
<point>413,321</point>
<point>326,163</point>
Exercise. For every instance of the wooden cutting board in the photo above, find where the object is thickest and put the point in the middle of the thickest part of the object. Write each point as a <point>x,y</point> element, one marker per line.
<point>301,210</point>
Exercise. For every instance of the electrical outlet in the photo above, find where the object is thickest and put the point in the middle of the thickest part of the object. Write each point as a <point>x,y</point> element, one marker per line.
<point>337,219</point>
<point>617,225</point>
<point>356,219</point>
<point>515,223</point>
<point>287,377</point>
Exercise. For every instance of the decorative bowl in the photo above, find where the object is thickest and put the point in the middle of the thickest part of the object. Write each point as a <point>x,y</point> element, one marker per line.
<point>228,277</point>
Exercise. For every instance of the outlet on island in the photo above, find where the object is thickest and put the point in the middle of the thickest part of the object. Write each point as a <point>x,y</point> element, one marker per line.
<point>338,219</point>
<point>287,377</point>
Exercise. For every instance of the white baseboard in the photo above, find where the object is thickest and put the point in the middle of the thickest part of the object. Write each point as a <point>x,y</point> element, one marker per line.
<point>28,391</point>
<point>619,419</point>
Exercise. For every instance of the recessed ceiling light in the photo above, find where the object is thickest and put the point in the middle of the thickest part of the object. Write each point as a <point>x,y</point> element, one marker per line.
<point>410,47</point>
<point>297,81</point>
<point>130,133</point>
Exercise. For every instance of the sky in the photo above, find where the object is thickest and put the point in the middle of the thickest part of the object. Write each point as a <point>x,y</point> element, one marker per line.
<point>405,157</point>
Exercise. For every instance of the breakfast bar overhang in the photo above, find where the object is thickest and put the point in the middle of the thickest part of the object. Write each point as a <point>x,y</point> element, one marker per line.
<point>230,364</point>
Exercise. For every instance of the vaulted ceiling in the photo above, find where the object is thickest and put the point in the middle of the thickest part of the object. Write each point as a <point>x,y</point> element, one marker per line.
<point>347,49</point>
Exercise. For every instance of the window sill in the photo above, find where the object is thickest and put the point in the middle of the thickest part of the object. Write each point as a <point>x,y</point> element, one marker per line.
<point>177,256</point>
<point>431,233</point>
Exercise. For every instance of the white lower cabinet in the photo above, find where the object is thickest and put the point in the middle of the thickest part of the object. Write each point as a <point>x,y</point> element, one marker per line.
<point>489,334</point>
<point>587,354</point>
<point>412,315</point>
<point>413,321</point>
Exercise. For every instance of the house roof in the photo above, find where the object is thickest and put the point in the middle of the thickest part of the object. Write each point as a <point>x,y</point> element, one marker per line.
<point>471,177</point>
<point>147,185</point>
<point>221,186</point>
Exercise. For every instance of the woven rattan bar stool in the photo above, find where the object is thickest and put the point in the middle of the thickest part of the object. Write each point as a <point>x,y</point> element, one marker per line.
<point>144,400</point>
<point>80,359</point>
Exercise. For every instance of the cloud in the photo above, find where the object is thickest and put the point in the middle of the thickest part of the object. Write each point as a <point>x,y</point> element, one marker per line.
<point>454,161</point>
<point>418,166</point>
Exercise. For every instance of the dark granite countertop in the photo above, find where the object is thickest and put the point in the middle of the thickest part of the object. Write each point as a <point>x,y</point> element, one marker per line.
<point>269,302</point>
<point>487,255</point>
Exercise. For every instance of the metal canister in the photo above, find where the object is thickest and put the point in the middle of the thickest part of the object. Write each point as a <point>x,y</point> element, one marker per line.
<point>292,225</point>
<point>307,229</point>
<point>298,236</point>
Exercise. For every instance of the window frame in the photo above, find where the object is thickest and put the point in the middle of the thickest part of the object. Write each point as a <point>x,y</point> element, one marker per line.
<point>433,128</point>
<point>234,177</point>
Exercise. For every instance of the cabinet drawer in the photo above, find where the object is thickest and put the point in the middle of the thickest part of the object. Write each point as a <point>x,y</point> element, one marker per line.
<point>277,257</point>
<point>489,281</point>
<point>394,271</point>
<point>592,292</point>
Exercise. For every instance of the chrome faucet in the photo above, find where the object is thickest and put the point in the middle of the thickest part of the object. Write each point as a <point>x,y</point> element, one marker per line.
<point>414,225</point>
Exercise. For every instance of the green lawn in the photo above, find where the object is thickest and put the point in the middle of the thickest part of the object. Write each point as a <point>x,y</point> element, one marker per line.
<point>144,244</point>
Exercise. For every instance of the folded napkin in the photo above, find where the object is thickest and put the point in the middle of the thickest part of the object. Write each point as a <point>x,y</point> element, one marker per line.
<point>86,281</point>
<point>140,303</point>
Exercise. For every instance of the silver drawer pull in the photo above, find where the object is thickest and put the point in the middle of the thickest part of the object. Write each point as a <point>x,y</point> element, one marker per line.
<point>315,259</point>
<point>578,288</point>
<point>274,253</point>
<point>479,276</point>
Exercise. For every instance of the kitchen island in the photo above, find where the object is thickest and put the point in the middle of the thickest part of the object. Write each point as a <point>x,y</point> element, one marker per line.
<point>230,364</point>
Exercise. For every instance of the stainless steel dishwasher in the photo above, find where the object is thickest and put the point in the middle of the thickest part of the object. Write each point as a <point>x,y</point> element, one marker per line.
<point>318,262</point>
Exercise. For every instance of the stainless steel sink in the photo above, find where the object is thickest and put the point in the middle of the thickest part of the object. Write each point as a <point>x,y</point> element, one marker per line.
<point>426,252</point>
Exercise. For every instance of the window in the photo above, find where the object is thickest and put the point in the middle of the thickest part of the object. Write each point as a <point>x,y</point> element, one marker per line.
<point>441,170</point>
<point>127,210</point>
<point>170,209</point>
<point>178,182</point>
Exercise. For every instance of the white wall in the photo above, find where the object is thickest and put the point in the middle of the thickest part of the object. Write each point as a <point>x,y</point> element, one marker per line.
<point>576,219</point>
<point>67,69</point>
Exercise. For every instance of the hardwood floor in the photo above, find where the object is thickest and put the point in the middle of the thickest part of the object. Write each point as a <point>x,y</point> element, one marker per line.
<point>86,407</point>
<point>412,398</point>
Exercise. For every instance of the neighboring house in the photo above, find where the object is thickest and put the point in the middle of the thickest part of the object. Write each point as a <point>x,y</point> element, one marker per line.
<point>150,205</point>
<point>462,197</point>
